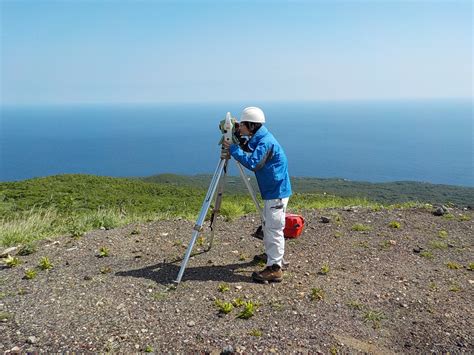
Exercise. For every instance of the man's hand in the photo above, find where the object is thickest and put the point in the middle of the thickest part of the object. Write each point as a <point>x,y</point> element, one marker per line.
<point>226,145</point>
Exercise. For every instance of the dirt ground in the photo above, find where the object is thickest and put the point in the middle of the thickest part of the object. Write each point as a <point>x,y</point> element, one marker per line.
<point>385,290</point>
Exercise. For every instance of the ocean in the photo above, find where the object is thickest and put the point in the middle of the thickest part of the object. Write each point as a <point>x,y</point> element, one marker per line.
<point>429,141</point>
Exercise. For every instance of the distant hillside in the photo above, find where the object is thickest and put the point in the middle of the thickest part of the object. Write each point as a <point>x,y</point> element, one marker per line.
<point>385,193</point>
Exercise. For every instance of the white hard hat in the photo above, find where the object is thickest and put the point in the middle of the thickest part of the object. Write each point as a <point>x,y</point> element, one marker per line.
<point>252,114</point>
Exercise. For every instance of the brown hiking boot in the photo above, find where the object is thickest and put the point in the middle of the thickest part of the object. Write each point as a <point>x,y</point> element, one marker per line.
<point>269,274</point>
<point>263,258</point>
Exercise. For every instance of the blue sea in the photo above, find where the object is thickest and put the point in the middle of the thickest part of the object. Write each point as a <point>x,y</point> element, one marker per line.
<point>429,141</point>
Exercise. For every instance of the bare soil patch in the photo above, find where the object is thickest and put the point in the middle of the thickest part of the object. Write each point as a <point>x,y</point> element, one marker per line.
<point>388,289</point>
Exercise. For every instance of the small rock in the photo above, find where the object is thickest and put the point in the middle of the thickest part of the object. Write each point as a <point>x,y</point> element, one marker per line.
<point>229,349</point>
<point>87,278</point>
<point>392,242</point>
<point>325,219</point>
<point>440,211</point>
<point>164,234</point>
<point>102,228</point>
<point>471,281</point>
<point>238,287</point>
<point>32,340</point>
<point>15,349</point>
<point>8,251</point>
<point>191,323</point>
<point>417,250</point>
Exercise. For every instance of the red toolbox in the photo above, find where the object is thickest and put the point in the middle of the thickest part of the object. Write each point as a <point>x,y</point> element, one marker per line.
<point>294,225</point>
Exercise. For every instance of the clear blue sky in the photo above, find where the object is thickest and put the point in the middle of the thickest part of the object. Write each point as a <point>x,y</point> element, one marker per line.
<point>197,51</point>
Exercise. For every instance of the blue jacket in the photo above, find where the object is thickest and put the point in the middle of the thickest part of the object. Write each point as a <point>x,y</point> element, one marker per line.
<point>268,160</point>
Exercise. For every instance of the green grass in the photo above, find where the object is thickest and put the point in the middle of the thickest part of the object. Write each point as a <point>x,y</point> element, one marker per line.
<point>224,307</point>
<point>453,266</point>
<point>395,225</point>
<point>45,264</point>
<point>317,294</point>
<point>103,252</point>
<point>359,227</point>
<point>30,274</point>
<point>427,254</point>
<point>437,244</point>
<point>248,311</point>
<point>442,234</point>
<point>324,269</point>
<point>12,261</point>
<point>223,287</point>
<point>256,333</point>
<point>73,205</point>
<point>375,317</point>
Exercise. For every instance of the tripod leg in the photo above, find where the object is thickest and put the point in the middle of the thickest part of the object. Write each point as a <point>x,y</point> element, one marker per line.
<point>251,191</point>
<point>202,215</point>
<point>217,206</point>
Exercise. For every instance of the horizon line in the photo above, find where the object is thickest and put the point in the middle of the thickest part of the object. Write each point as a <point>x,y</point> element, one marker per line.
<point>197,102</point>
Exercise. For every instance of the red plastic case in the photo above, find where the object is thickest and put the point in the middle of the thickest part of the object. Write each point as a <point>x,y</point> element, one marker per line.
<point>294,225</point>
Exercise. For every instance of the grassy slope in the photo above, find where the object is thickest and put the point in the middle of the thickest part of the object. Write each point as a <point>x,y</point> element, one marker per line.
<point>74,204</point>
<point>385,193</point>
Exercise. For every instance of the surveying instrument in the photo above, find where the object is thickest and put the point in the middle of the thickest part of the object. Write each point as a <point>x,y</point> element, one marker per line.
<point>228,129</point>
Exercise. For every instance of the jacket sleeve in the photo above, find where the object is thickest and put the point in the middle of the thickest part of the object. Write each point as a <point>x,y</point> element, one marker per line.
<point>254,161</point>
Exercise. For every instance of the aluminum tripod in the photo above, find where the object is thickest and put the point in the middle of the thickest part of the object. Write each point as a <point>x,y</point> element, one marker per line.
<point>217,184</point>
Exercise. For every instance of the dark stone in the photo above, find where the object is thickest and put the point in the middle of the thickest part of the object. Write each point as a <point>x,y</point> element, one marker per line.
<point>417,250</point>
<point>439,211</point>
<point>87,278</point>
<point>325,219</point>
<point>229,349</point>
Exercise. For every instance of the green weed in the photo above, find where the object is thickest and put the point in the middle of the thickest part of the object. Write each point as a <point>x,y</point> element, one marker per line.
<point>248,311</point>
<point>363,244</point>
<point>103,252</point>
<point>464,217</point>
<point>454,288</point>
<point>375,317</point>
<point>355,305</point>
<point>200,241</point>
<point>224,307</point>
<point>448,216</point>
<point>437,244</point>
<point>238,302</point>
<point>359,227</point>
<point>135,231</point>
<point>317,294</point>
<point>29,274</point>
<point>442,234</point>
<point>255,333</point>
<point>77,230</point>
<point>395,225</point>
<point>159,296</point>
<point>45,264</point>
<point>453,266</point>
<point>426,254</point>
<point>324,269</point>
<point>223,287</point>
<point>470,266</point>
<point>5,316</point>
<point>148,349</point>
<point>12,261</point>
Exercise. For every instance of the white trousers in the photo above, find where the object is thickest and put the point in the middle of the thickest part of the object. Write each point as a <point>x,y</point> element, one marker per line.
<point>273,238</point>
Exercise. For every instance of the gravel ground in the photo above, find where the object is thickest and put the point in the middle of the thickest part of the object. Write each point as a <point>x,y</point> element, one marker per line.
<point>387,290</point>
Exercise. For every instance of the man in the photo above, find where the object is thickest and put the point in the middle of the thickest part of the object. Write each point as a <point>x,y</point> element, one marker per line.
<point>268,160</point>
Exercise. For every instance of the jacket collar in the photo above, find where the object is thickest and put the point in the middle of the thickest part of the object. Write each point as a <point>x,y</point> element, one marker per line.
<point>262,131</point>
